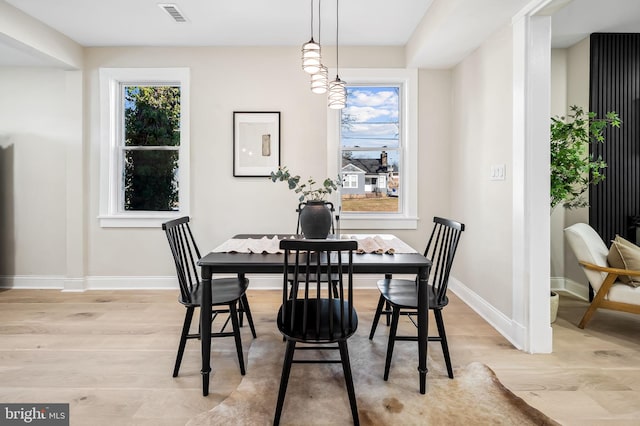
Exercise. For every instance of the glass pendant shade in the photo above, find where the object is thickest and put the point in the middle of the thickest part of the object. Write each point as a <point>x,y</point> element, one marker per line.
<point>337,94</point>
<point>311,59</point>
<point>320,80</point>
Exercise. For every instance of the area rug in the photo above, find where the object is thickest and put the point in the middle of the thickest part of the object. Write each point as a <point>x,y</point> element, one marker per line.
<point>317,393</point>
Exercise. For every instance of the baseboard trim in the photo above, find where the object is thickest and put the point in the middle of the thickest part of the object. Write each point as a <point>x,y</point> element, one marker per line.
<point>52,282</point>
<point>33,282</point>
<point>74,285</point>
<point>511,330</point>
<point>567,285</point>
<point>258,282</point>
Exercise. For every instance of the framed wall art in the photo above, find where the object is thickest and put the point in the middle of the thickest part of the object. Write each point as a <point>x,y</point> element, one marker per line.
<point>256,143</point>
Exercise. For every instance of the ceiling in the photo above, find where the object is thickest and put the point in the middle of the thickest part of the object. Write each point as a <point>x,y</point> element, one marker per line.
<point>456,27</point>
<point>580,18</point>
<point>228,23</point>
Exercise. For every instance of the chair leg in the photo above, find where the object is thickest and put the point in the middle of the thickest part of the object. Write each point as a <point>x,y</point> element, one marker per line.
<point>443,341</point>
<point>244,302</point>
<point>597,300</point>
<point>284,379</point>
<point>183,339</point>
<point>233,312</point>
<point>376,317</point>
<point>387,305</point>
<point>395,316</point>
<point>593,307</point>
<point>346,367</point>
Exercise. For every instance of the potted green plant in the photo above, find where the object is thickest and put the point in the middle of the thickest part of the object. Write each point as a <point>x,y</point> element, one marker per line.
<point>573,169</point>
<point>315,218</point>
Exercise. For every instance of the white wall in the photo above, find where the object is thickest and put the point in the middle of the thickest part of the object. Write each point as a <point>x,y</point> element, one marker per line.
<point>50,140</point>
<point>482,137</point>
<point>558,108</point>
<point>39,127</point>
<point>578,64</point>
<point>436,164</point>
<point>47,168</point>
<point>570,86</point>
<point>224,80</point>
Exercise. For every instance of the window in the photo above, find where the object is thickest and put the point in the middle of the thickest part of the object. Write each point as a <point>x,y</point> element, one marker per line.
<point>370,141</point>
<point>144,147</point>
<point>349,181</point>
<point>376,147</point>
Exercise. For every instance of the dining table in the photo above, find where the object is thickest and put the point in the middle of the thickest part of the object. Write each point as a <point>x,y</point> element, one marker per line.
<point>242,263</point>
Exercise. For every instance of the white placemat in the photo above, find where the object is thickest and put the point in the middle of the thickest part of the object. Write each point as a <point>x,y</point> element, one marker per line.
<point>379,243</point>
<point>367,243</point>
<point>250,245</point>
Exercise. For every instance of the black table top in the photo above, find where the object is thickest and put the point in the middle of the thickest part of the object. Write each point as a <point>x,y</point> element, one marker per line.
<point>368,263</point>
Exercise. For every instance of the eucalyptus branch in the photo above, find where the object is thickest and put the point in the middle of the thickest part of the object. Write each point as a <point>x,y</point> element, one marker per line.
<point>306,189</point>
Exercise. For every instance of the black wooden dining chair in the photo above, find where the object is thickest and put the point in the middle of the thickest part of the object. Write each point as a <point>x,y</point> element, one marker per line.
<point>310,315</point>
<point>227,293</point>
<point>402,295</point>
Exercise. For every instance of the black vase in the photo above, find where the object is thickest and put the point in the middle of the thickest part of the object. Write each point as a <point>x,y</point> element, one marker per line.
<point>315,220</point>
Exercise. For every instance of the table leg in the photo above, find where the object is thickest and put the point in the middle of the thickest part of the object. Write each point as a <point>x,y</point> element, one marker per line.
<point>423,326</point>
<point>205,328</point>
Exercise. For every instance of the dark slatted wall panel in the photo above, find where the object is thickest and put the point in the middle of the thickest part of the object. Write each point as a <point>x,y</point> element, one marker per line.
<point>615,86</point>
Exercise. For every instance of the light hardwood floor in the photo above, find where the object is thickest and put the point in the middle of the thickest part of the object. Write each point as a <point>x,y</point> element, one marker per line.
<point>110,356</point>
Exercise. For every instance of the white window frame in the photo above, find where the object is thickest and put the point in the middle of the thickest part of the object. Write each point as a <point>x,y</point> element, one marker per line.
<point>407,217</point>
<point>350,181</point>
<point>111,118</point>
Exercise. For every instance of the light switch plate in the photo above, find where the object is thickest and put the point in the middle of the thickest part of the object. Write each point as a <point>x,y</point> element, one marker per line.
<point>497,172</point>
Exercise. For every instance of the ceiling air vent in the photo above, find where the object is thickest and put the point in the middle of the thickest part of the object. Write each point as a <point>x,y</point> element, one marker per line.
<point>173,11</point>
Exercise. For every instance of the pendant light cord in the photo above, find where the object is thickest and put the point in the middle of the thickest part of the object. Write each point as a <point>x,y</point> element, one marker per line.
<point>337,26</point>
<point>311,19</point>
<point>319,19</point>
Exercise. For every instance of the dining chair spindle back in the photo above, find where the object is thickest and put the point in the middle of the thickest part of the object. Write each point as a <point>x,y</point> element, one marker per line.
<point>227,293</point>
<point>311,314</point>
<point>402,295</point>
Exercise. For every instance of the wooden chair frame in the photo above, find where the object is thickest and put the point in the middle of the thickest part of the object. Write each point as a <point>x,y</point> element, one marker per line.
<point>599,300</point>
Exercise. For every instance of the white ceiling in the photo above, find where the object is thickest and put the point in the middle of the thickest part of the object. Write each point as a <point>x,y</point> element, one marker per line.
<point>229,23</point>
<point>582,17</point>
<point>456,27</point>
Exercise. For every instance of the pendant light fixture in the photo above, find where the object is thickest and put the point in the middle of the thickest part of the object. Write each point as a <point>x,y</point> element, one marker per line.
<point>320,80</point>
<point>337,91</point>
<point>311,52</point>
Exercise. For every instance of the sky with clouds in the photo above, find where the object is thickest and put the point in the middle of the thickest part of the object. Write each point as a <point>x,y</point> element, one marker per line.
<point>373,112</point>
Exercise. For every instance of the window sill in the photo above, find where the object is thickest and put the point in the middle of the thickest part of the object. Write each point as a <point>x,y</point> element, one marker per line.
<point>143,220</point>
<point>378,222</point>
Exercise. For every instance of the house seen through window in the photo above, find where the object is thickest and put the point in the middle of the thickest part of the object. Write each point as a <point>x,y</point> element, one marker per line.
<point>371,144</point>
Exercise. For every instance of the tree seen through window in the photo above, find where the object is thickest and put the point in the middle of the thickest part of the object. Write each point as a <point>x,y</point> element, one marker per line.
<point>151,148</point>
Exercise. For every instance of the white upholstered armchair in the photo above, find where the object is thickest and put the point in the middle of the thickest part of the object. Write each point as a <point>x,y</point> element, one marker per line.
<point>614,287</point>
